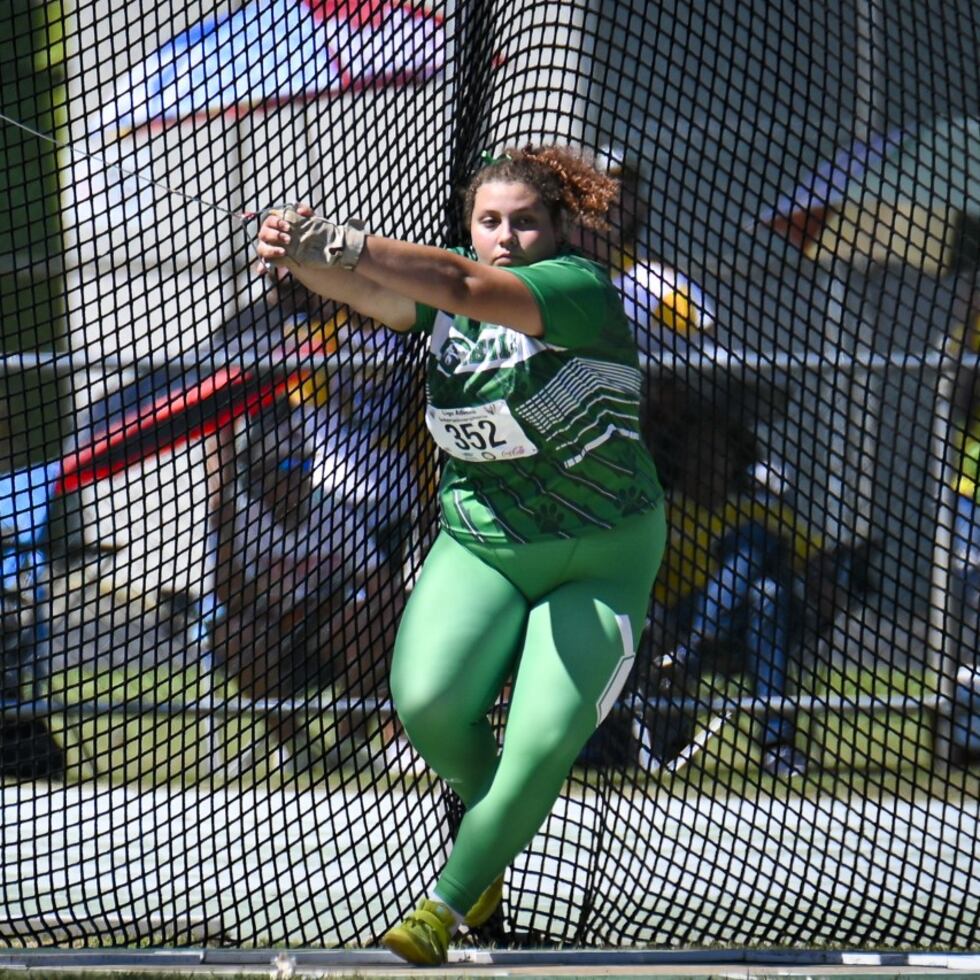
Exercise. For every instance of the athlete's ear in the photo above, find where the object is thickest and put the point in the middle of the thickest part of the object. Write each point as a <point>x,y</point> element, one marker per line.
<point>563,229</point>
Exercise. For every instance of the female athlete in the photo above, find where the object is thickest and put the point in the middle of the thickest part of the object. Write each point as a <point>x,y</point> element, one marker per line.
<point>552,525</point>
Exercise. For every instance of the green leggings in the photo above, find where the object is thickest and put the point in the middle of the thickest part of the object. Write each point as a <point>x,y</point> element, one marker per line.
<point>563,618</point>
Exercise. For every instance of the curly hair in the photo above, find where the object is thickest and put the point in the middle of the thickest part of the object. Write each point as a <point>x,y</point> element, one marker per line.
<point>568,182</point>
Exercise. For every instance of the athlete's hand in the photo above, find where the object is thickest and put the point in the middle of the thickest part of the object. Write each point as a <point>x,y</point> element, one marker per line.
<point>276,235</point>
<point>296,233</point>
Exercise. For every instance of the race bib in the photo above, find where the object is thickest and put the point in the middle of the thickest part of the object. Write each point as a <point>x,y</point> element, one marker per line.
<point>479,433</point>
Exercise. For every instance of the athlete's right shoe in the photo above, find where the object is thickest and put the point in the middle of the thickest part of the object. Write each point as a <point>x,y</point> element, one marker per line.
<point>486,904</point>
<point>423,938</point>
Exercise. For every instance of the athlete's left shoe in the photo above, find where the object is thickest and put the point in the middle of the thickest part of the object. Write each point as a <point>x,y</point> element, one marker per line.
<point>423,938</point>
<point>486,904</point>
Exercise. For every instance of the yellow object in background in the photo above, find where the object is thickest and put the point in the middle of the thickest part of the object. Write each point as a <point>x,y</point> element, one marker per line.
<point>655,294</point>
<point>674,311</point>
<point>691,557</point>
<point>311,387</point>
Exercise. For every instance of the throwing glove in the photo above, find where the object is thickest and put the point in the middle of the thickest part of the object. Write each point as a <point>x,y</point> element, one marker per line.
<point>318,242</point>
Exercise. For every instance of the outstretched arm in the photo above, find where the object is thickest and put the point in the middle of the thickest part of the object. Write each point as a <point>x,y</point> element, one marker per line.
<point>392,275</point>
<point>359,293</point>
<point>342,285</point>
<point>451,282</point>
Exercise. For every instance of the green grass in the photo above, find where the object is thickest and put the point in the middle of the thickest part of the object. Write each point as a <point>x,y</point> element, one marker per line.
<point>124,747</point>
<point>132,744</point>
<point>857,751</point>
<point>868,753</point>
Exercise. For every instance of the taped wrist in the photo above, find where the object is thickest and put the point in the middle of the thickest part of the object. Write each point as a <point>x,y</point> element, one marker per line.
<point>318,241</point>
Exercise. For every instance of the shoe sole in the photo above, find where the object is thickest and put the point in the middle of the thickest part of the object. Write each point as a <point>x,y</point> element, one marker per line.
<point>407,949</point>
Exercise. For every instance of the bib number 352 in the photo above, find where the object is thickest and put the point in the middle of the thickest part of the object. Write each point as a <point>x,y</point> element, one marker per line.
<point>479,433</point>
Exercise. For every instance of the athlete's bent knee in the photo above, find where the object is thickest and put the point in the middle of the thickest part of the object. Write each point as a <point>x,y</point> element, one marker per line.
<point>433,711</point>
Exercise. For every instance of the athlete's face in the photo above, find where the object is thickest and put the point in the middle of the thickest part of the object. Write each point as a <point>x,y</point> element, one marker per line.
<point>511,226</point>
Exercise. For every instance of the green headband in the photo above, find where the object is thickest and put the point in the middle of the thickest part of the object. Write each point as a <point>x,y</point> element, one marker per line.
<point>488,159</point>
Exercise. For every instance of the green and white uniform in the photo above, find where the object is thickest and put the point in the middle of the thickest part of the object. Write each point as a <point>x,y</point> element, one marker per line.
<point>552,533</point>
<point>542,434</point>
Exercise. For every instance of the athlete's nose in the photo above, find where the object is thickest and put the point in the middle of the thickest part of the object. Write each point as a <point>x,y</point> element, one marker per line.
<point>507,233</point>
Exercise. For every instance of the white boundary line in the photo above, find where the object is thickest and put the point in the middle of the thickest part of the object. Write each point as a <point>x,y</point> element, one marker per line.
<point>359,960</point>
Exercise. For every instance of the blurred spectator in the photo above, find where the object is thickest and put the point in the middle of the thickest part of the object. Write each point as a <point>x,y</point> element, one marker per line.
<point>668,310</point>
<point>744,579</point>
<point>965,563</point>
<point>28,749</point>
<point>310,510</point>
<point>746,584</point>
<point>729,576</point>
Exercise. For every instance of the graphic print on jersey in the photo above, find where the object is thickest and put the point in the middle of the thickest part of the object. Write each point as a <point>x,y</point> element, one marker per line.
<point>494,347</point>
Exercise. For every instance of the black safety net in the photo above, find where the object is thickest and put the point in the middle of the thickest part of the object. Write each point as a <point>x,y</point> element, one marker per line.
<point>217,488</point>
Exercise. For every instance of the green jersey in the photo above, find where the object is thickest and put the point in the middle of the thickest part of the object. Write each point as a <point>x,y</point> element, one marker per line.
<point>542,434</point>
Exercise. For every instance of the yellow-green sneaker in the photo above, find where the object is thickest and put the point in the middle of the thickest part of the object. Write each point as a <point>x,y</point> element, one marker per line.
<point>423,938</point>
<point>486,904</point>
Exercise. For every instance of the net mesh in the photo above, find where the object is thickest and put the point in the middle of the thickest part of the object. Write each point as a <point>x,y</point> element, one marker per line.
<point>217,489</point>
